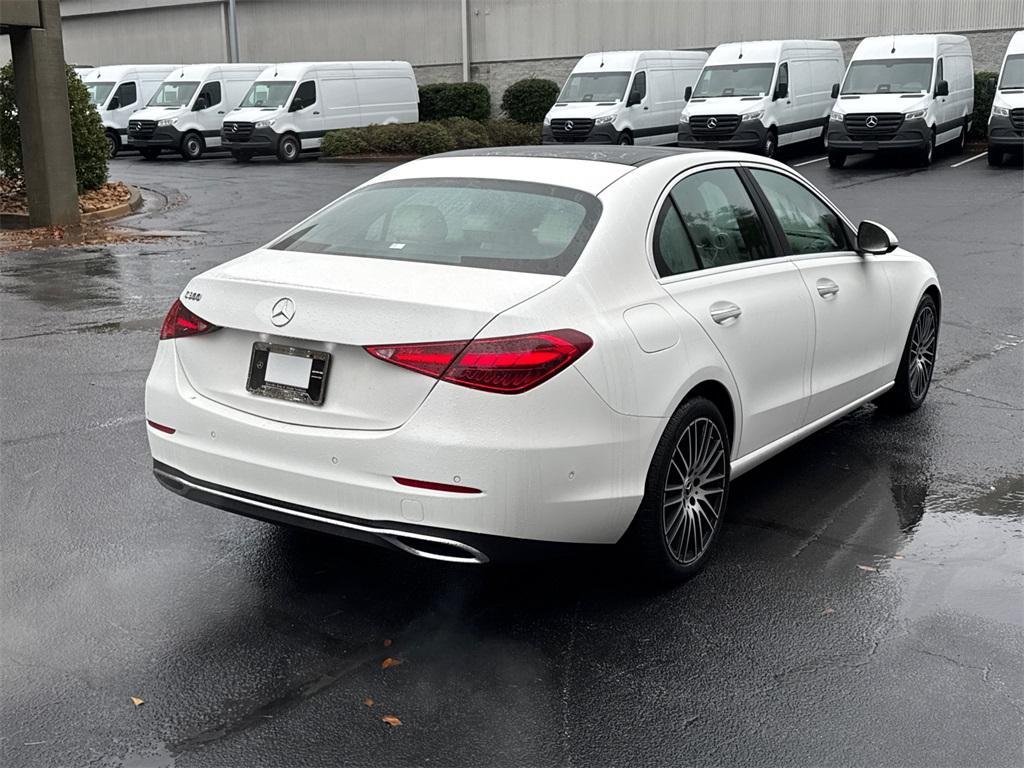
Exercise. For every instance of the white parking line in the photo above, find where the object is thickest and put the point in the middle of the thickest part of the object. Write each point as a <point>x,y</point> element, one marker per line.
<point>968,160</point>
<point>808,162</point>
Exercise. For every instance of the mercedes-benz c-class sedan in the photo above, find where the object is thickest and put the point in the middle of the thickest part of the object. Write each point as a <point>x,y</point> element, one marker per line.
<point>480,351</point>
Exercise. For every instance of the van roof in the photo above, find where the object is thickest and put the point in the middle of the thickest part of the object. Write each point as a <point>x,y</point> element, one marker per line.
<point>764,51</point>
<point>199,71</point>
<point>1016,43</point>
<point>293,70</point>
<point>906,46</point>
<point>620,61</point>
<point>117,71</point>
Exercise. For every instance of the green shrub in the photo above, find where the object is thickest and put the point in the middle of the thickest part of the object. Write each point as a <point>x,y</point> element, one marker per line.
<point>527,101</point>
<point>397,139</point>
<point>466,133</point>
<point>348,141</point>
<point>444,100</point>
<point>509,133</point>
<point>87,133</point>
<point>984,92</point>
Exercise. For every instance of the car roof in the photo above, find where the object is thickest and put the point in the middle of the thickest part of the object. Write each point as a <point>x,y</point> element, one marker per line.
<point>620,155</point>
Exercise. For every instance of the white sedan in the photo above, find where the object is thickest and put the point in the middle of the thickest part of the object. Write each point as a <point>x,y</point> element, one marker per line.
<point>496,349</point>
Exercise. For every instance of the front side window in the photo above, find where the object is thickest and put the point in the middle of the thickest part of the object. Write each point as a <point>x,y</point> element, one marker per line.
<point>783,79</point>
<point>175,93</point>
<point>595,86</point>
<point>270,94</point>
<point>888,76</point>
<point>488,224</point>
<point>98,92</point>
<point>1013,73</point>
<point>639,90</point>
<point>208,96</point>
<point>305,96</point>
<point>125,95</point>
<point>809,225</point>
<point>735,80</point>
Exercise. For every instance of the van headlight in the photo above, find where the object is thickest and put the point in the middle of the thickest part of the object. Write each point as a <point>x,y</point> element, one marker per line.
<point>266,123</point>
<point>917,114</point>
<point>1000,111</point>
<point>604,120</point>
<point>752,116</point>
<point>836,116</point>
<point>683,117</point>
<point>167,121</point>
<point>547,120</point>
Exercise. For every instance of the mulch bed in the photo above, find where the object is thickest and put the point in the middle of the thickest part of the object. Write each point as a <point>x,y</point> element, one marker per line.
<point>111,194</point>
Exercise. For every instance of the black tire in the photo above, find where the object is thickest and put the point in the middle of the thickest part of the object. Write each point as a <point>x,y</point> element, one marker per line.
<point>909,391</point>
<point>113,144</point>
<point>836,159</point>
<point>192,146</point>
<point>626,138</point>
<point>823,139</point>
<point>926,154</point>
<point>961,141</point>
<point>241,156</point>
<point>770,148</point>
<point>288,149</point>
<point>995,157</point>
<point>149,153</point>
<point>660,536</point>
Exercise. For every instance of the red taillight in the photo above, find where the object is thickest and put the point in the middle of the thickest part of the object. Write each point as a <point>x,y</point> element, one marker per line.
<point>182,321</point>
<point>430,485</point>
<point>160,427</point>
<point>508,365</point>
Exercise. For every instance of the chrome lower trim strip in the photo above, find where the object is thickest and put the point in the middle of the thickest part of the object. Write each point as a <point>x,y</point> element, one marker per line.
<point>398,539</point>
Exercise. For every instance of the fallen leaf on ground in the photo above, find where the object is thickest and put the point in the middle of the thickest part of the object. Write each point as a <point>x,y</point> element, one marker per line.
<point>391,720</point>
<point>390,662</point>
<point>368,702</point>
<point>828,611</point>
<point>897,557</point>
<point>867,567</point>
<point>387,643</point>
<point>136,701</point>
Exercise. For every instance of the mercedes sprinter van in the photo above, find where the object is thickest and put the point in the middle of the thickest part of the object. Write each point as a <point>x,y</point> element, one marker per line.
<point>1006,123</point>
<point>120,91</point>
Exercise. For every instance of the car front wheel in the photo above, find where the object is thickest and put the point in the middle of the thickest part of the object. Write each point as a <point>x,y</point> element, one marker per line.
<point>685,496</point>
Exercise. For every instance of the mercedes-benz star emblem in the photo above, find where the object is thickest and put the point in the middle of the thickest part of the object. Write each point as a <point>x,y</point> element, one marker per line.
<point>568,125</point>
<point>871,122</point>
<point>712,122</point>
<point>283,312</point>
<point>234,127</point>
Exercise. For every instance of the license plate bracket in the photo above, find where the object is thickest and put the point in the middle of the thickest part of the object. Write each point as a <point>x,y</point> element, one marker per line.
<point>285,366</point>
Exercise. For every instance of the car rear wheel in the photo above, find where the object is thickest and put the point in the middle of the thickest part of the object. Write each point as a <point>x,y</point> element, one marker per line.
<point>685,496</point>
<point>836,159</point>
<point>192,146</point>
<point>995,157</point>
<point>288,149</point>
<point>113,144</point>
<point>914,376</point>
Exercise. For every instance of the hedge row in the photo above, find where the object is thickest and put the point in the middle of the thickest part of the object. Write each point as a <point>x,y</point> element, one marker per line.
<point>428,138</point>
<point>526,101</point>
<point>984,92</point>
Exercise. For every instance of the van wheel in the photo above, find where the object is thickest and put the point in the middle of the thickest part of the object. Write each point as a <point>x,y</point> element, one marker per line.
<point>771,144</point>
<point>995,157</point>
<point>836,159</point>
<point>288,149</point>
<point>149,153</point>
<point>625,138</point>
<point>961,141</point>
<point>927,153</point>
<point>241,156</point>
<point>192,146</point>
<point>685,495</point>
<point>914,376</point>
<point>113,144</point>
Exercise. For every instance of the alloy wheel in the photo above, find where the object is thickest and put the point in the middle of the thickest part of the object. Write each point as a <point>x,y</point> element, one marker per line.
<point>921,361</point>
<point>694,491</point>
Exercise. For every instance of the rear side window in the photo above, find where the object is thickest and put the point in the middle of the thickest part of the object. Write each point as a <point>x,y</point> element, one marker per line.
<point>305,95</point>
<point>673,251</point>
<point>809,225</point>
<point>489,224</point>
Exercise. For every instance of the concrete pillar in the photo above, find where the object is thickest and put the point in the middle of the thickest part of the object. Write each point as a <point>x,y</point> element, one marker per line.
<point>44,117</point>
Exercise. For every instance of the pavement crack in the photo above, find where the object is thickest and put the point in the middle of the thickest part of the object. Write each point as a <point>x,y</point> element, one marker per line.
<point>1005,405</point>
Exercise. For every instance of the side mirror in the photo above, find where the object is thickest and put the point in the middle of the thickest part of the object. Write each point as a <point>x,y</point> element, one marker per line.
<point>835,90</point>
<point>115,103</point>
<point>688,93</point>
<point>942,88</point>
<point>876,239</point>
<point>634,99</point>
<point>781,91</point>
<point>296,105</point>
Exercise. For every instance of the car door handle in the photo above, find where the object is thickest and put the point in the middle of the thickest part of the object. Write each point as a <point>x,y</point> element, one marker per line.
<point>826,288</point>
<point>316,113</point>
<point>220,113</point>
<point>724,311</point>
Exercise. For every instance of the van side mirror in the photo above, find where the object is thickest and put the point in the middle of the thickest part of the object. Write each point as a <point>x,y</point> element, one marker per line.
<point>115,103</point>
<point>835,90</point>
<point>688,93</point>
<point>634,99</point>
<point>942,88</point>
<point>296,105</point>
<point>875,239</point>
<point>781,91</point>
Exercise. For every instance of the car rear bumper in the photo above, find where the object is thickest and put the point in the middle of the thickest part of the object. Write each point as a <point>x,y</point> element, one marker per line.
<point>912,134</point>
<point>554,466</point>
<point>749,135</point>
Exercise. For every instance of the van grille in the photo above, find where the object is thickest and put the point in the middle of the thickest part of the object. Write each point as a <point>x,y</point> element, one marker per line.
<point>1017,119</point>
<point>713,127</point>
<point>141,129</point>
<point>236,131</point>
<point>571,129</point>
<point>885,125</point>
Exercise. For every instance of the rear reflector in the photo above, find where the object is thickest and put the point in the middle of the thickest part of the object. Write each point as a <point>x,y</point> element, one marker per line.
<point>160,427</point>
<point>431,486</point>
<point>182,321</point>
<point>507,365</point>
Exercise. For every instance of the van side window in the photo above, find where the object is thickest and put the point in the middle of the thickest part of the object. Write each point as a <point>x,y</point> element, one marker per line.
<point>939,75</point>
<point>126,94</point>
<point>809,225</point>
<point>208,96</point>
<point>639,89</point>
<point>305,95</point>
<point>783,78</point>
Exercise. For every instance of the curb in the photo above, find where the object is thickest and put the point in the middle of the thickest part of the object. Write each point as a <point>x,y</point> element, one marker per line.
<point>369,159</point>
<point>20,220</point>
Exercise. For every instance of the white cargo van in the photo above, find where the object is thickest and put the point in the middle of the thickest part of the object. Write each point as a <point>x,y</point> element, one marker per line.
<point>290,107</point>
<point>761,95</point>
<point>623,97</point>
<point>1006,123</point>
<point>910,93</point>
<point>121,90</point>
<point>186,112</point>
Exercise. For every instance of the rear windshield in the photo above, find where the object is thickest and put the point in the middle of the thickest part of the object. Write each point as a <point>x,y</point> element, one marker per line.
<point>512,226</point>
<point>889,76</point>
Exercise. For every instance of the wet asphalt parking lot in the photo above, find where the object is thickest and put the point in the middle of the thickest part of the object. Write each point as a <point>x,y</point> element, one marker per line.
<point>865,606</point>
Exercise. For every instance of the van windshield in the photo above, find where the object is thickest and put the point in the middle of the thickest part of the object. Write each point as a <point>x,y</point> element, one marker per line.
<point>594,86</point>
<point>482,223</point>
<point>735,80</point>
<point>1013,73</point>
<point>98,92</point>
<point>889,76</point>
<point>270,94</point>
<point>173,94</point>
